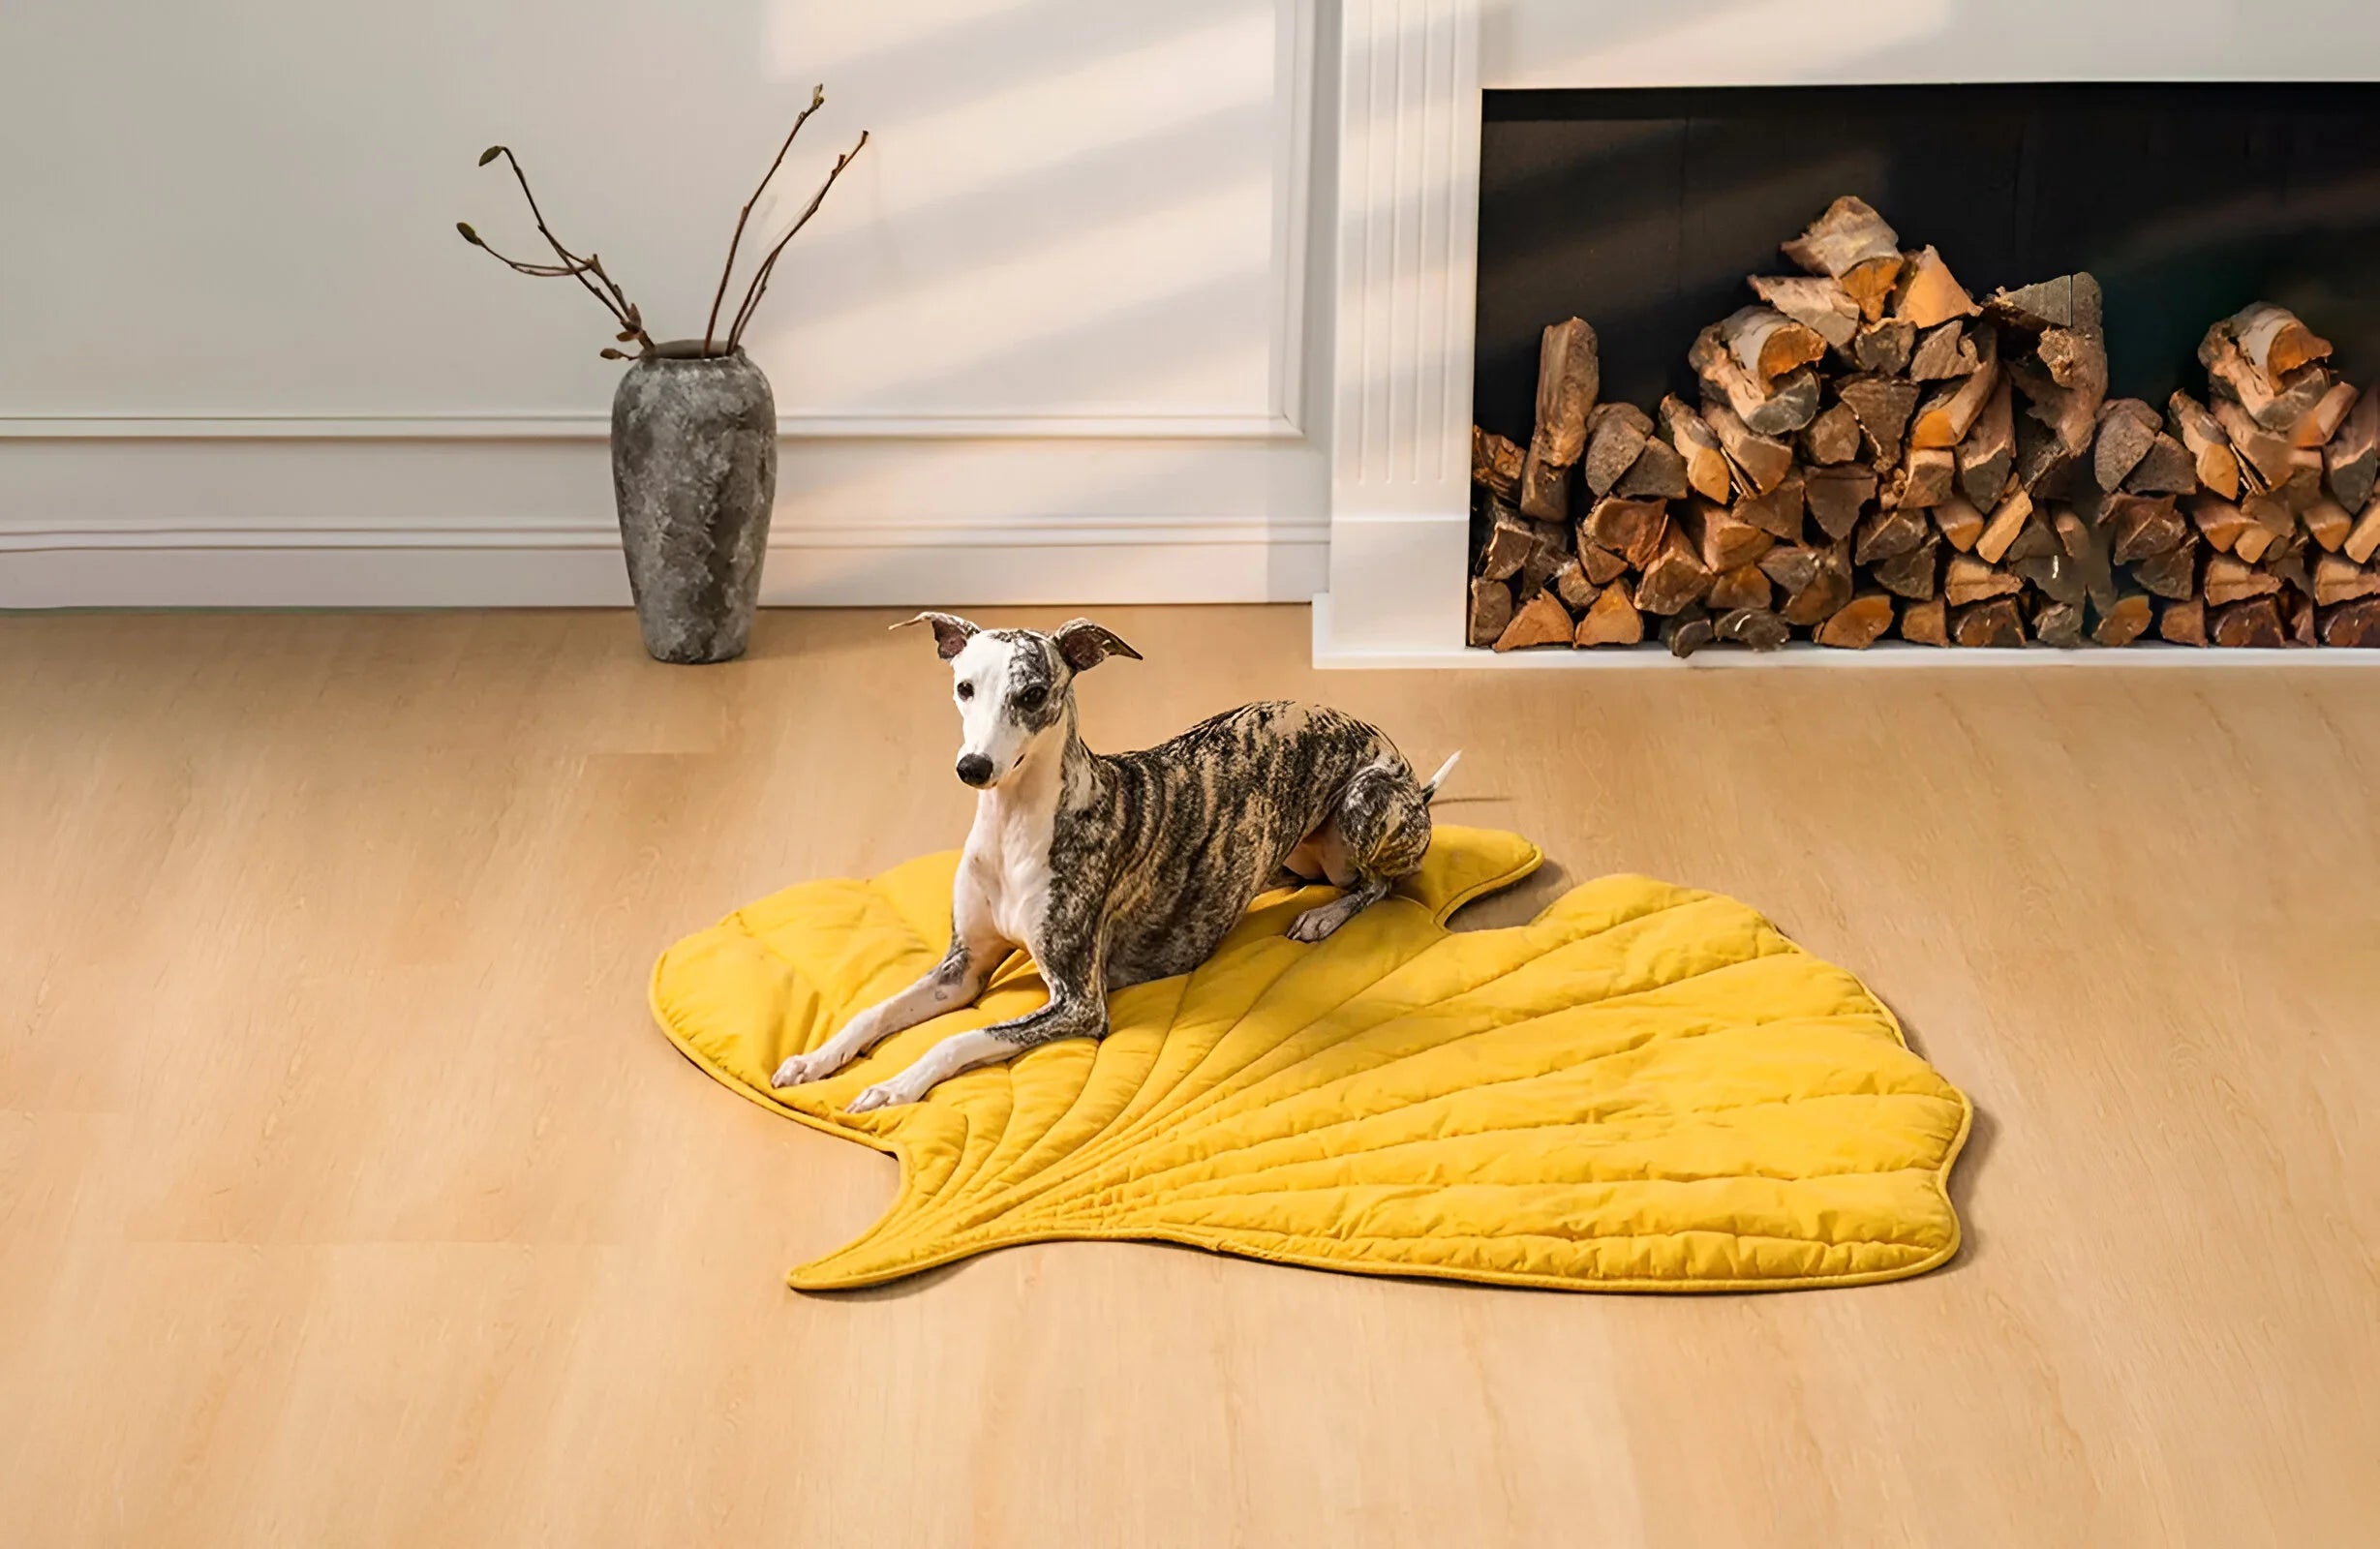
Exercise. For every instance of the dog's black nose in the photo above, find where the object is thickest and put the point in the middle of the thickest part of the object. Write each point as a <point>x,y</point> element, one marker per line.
<point>976,769</point>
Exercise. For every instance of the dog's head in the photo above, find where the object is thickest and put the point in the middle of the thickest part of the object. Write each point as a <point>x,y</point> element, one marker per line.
<point>1013,685</point>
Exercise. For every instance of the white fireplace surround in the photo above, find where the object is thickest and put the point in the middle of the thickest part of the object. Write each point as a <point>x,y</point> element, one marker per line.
<point>1408,145</point>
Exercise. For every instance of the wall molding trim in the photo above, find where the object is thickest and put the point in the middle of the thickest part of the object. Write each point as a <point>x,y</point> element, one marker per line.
<point>1089,425</point>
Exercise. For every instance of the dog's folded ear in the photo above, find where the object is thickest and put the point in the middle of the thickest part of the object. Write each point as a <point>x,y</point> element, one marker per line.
<point>950,631</point>
<point>1086,644</point>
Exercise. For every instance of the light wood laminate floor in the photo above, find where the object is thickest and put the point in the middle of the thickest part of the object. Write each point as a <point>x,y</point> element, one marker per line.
<point>347,1197</point>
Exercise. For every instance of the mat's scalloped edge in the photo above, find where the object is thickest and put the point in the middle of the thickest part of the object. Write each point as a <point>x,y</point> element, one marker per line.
<point>805,1277</point>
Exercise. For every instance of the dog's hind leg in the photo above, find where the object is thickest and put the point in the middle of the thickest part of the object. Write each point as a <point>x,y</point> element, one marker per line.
<point>1376,837</point>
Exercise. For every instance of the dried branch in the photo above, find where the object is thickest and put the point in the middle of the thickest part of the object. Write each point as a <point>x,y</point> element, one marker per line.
<point>761,277</point>
<point>612,298</point>
<point>818,99</point>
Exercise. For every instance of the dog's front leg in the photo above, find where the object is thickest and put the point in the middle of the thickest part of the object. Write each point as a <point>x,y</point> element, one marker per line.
<point>954,982</point>
<point>1078,1008</point>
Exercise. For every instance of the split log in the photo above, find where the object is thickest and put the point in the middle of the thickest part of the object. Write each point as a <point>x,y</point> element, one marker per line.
<point>1928,295</point>
<point>2353,625</point>
<point>1697,447</point>
<point>1779,512</point>
<point>1884,347</point>
<point>2043,467</point>
<point>1851,243</point>
<point>1658,473</point>
<point>1759,460</point>
<point>1989,453</point>
<point>1545,488</point>
<point>1858,623</point>
<point>2276,403</point>
<point>1549,550</point>
<point>1508,542</point>
<point>2202,435</point>
<point>1816,302</point>
<point>1601,565</point>
<point>2266,454</point>
<point>1836,495</point>
<point>2323,420</point>
<point>1960,523</point>
<point>1567,379</point>
<point>1943,352</point>
<point>2001,529</point>
<point>2057,624</point>
<point>2126,429</point>
<point>2168,573</point>
<point>1629,529</point>
<point>1966,580</point>
<point>2219,520</point>
<point>2254,542</point>
<point>1816,581</point>
<point>1833,437</point>
<point>1997,623</point>
<point>2352,459</point>
<point>2124,623</point>
<point>2362,540</point>
<point>1541,622</point>
<point>2340,579</point>
<point>2140,525</point>
<point>1767,343</point>
<point>2065,379</point>
<point>1912,575</point>
<point>2034,539</point>
<point>1575,586</point>
<point>1613,620</point>
<point>2328,523</point>
<point>1890,530</point>
<point>1491,609</point>
<point>1688,631</point>
<point>1674,577</point>
<point>1495,464</point>
<point>2274,341</point>
<point>2168,469</point>
<point>2290,561</point>
<point>2070,301</point>
<point>1945,418</point>
<point>1769,408</point>
<point>1722,537</point>
<point>1756,628</point>
<point>1926,623</point>
<point>2087,546</point>
<point>2256,623</point>
<point>1744,586</point>
<point>1930,472</point>
<point>2298,618</point>
<point>1883,406</point>
<point>2184,622</point>
<point>1616,436</point>
<point>2303,488</point>
<point>2053,575</point>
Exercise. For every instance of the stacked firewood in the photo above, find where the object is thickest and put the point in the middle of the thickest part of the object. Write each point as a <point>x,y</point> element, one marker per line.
<point>1875,454</point>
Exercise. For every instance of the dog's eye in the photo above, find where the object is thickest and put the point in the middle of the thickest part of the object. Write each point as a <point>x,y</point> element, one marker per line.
<point>966,691</point>
<point>1033,698</point>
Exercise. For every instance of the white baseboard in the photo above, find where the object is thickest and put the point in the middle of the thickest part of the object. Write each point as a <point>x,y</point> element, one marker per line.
<point>386,565</point>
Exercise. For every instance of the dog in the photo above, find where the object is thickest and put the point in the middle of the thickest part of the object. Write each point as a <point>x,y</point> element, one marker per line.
<point>1114,871</point>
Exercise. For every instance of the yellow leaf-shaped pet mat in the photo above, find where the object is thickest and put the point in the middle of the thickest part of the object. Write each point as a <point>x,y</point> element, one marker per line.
<point>1645,1088</point>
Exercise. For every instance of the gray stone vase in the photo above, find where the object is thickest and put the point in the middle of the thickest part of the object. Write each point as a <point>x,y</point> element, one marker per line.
<point>695,470</point>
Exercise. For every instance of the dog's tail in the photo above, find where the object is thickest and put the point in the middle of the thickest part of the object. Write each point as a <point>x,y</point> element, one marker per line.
<point>1429,790</point>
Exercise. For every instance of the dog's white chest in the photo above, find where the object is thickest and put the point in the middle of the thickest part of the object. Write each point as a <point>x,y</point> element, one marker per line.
<point>1007,864</point>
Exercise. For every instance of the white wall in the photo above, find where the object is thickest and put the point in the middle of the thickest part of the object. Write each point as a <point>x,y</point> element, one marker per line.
<point>1046,340</point>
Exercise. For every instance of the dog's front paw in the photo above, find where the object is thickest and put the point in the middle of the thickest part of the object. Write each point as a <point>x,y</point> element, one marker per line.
<point>813,1067</point>
<point>886,1094</point>
<point>1317,922</point>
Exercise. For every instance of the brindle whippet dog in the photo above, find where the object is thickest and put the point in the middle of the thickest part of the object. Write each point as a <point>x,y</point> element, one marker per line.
<point>1112,870</point>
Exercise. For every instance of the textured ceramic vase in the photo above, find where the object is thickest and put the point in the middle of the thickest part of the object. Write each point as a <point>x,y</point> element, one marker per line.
<point>694,470</point>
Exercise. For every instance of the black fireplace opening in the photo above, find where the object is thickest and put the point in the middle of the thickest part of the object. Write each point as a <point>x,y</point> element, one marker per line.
<point>2170,433</point>
<point>1643,211</point>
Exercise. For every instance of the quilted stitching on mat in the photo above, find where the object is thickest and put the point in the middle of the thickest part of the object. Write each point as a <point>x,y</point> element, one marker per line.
<point>1645,1088</point>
